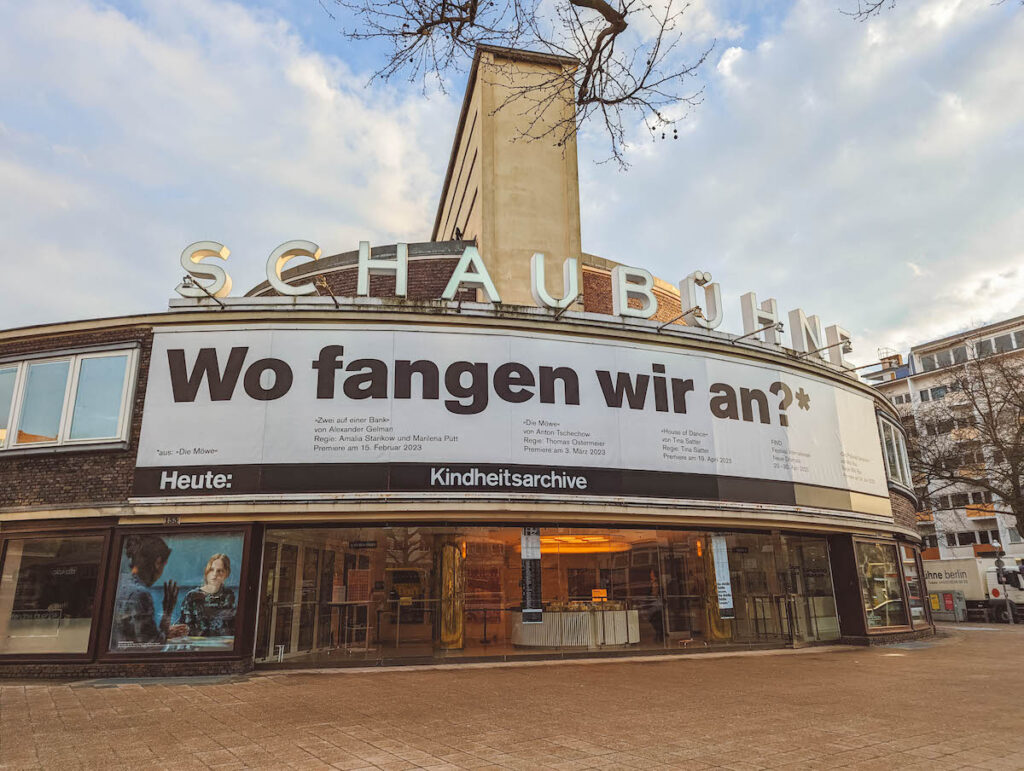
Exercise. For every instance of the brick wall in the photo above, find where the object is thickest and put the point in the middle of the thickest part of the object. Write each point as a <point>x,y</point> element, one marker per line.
<point>88,477</point>
<point>426,280</point>
<point>597,296</point>
<point>904,512</point>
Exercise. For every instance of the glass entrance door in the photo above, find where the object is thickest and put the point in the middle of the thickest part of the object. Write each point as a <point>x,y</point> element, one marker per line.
<point>289,617</point>
<point>810,605</point>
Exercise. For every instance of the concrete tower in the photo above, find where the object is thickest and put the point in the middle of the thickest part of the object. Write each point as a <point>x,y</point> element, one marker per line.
<point>512,181</point>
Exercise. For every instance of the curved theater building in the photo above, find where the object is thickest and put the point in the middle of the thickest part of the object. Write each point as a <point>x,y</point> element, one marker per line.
<point>432,451</point>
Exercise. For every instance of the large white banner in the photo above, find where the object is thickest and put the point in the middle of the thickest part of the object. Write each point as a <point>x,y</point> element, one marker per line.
<point>320,409</point>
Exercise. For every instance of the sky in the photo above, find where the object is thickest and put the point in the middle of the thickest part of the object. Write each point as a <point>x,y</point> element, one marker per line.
<point>871,173</point>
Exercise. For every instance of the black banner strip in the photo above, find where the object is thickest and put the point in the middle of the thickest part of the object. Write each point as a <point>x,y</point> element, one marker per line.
<point>442,478</point>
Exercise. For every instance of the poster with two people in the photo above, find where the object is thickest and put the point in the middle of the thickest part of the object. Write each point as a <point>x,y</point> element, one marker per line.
<point>177,593</point>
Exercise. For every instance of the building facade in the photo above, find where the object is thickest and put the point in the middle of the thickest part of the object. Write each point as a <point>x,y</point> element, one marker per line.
<point>367,460</point>
<point>959,518</point>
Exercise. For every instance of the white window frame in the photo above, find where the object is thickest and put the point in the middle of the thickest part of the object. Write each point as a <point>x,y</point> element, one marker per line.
<point>10,444</point>
<point>902,477</point>
<point>18,371</point>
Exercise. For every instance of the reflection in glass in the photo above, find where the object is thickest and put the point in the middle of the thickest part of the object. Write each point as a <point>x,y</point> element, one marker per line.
<point>44,402</point>
<point>812,601</point>
<point>7,375</point>
<point>341,594</point>
<point>98,398</point>
<point>915,591</point>
<point>47,591</point>
<point>881,586</point>
<point>267,597</point>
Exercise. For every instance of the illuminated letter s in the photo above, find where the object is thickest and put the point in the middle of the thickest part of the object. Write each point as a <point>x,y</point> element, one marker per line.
<point>191,261</point>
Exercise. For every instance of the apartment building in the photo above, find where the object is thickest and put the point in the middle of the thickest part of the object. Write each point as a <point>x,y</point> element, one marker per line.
<point>960,519</point>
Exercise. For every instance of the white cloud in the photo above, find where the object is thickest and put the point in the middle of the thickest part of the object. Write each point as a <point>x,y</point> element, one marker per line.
<point>699,21</point>
<point>853,152</point>
<point>727,64</point>
<point>127,137</point>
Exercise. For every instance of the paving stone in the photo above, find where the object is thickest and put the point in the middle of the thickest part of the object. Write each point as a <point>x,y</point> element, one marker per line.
<point>932,708</point>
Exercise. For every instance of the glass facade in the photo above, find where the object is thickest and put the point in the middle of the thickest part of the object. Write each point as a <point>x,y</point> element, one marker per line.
<point>98,397</point>
<point>8,375</point>
<point>881,585</point>
<point>897,464</point>
<point>47,594</point>
<point>334,594</point>
<point>177,593</point>
<point>78,399</point>
<point>43,406</point>
<point>916,599</point>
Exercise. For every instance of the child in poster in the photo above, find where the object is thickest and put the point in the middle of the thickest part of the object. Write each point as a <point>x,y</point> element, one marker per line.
<point>204,616</point>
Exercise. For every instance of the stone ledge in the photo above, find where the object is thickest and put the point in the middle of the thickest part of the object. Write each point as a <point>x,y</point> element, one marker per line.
<point>94,669</point>
<point>888,639</point>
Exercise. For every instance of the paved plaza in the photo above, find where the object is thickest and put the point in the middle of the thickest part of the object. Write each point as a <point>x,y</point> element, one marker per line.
<point>953,702</point>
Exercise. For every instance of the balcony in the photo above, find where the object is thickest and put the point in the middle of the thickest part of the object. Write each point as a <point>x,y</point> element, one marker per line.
<point>985,550</point>
<point>981,511</point>
<point>925,516</point>
<point>972,471</point>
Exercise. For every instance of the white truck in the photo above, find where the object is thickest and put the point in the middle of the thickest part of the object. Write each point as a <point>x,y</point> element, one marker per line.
<point>986,585</point>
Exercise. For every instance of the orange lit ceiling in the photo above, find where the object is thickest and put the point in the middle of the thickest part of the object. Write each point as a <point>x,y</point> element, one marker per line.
<point>581,544</point>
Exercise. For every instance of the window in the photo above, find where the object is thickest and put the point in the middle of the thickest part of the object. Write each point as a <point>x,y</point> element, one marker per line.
<point>944,359</point>
<point>881,585</point>
<point>928,363</point>
<point>915,590</point>
<point>8,377</point>
<point>925,396</point>
<point>973,458</point>
<point>935,428</point>
<point>938,392</point>
<point>983,536</point>
<point>995,535</point>
<point>959,500</point>
<point>984,348</point>
<point>930,541</point>
<point>47,591</point>
<point>67,400</point>
<point>981,497</point>
<point>148,617</point>
<point>960,354</point>
<point>897,466</point>
<point>966,538</point>
<point>1014,535</point>
<point>1004,343</point>
<point>950,539</point>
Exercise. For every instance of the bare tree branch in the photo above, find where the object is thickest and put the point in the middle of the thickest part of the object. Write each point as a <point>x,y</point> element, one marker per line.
<point>631,70</point>
<point>971,440</point>
<point>867,9</point>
